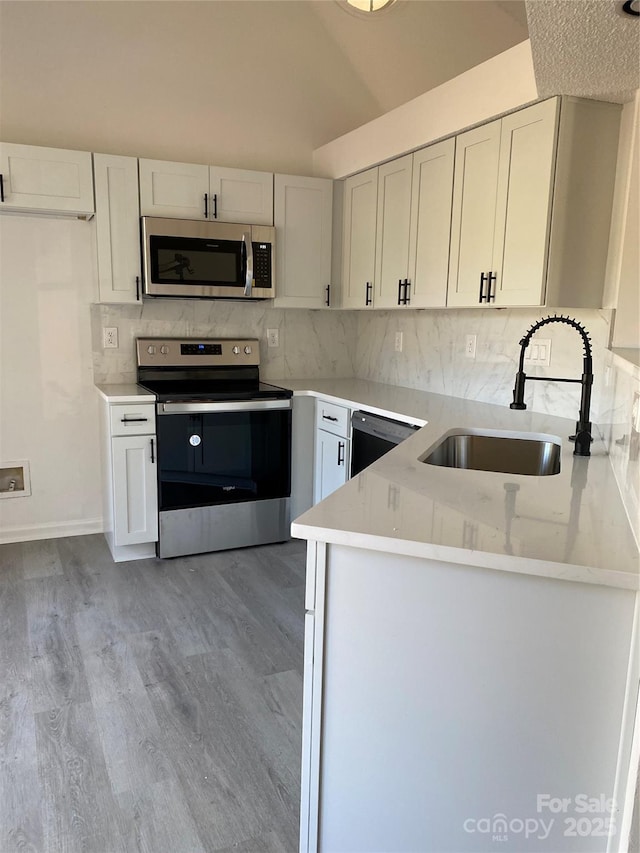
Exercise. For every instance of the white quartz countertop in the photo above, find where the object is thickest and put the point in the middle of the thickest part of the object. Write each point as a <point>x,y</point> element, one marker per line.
<point>125,392</point>
<point>570,526</point>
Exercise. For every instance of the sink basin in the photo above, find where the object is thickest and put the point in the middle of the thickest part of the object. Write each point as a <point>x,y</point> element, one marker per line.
<point>533,455</point>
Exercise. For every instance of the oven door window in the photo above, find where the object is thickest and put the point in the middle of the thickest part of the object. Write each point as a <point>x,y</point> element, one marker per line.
<point>185,260</point>
<point>224,457</point>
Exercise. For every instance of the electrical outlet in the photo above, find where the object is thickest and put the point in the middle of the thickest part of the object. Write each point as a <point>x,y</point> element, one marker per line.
<point>273,338</point>
<point>538,353</point>
<point>110,337</point>
<point>398,341</point>
<point>470,346</point>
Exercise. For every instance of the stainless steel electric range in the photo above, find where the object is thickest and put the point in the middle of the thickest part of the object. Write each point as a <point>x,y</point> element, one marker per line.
<point>223,444</point>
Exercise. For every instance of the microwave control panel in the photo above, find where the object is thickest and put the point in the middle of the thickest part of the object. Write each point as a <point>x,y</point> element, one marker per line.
<point>262,264</point>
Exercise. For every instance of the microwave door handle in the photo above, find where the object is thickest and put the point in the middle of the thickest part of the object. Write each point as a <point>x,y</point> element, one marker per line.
<point>248,248</point>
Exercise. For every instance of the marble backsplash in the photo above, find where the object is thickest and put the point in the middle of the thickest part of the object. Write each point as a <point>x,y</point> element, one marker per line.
<point>433,355</point>
<point>314,344</point>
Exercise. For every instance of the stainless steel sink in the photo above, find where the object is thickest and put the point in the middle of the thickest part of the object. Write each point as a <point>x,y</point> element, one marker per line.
<point>536,457</point>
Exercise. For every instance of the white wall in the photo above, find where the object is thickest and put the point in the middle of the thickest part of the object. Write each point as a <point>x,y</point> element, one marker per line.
<point>48,405</point>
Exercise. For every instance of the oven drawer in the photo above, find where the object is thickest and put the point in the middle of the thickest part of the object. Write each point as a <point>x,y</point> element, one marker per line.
<point>133,419</point>
<point>332,418</point>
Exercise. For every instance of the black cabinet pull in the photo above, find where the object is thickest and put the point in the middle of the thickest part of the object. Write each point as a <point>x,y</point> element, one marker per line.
<point>153,458</point>
<point>215,205</point>
<point>206,206</point>
<point>400,287</point>
<point>328,418</point>
<point>138,288</point>
<point>483,280</point>
<point>407,299</point>
<point>328,297</point>
<point>368,299</point>
<point>341,453</point>
<point>491,297</point>
<point>1,187</point>
<point>133,420</point>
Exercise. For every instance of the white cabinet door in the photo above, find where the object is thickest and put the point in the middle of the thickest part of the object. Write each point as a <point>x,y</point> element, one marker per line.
<point>392,233</point>
<point>431,224</point>
<point>45,179</point>
<point>240,195</point>
<point>359,239</point>
<point>474,212</point>
<point>525,183</point>
<point>134,489</point>
<point>117,228</point>
<point>178,190</point>
<point>303,219</point>
<point>331,463</point>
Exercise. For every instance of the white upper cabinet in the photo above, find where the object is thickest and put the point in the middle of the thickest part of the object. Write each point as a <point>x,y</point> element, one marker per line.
<point>474,212</point>
<point>239,195</point>
<point>532,206</point>
<point>117,228</point>
<point>430,224</point>
<point>303,217</point>
<point>359,239</point>
<point>175,190</point>
<point>189,191</point>
<point>392,286</point>
<point>36,179</point>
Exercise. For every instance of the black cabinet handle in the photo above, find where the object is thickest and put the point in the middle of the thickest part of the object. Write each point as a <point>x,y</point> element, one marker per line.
<point>407,299</point>
<point>400,287</point>
<point>328,297</point>
<point>1,187</point>
<point>368,299</point>
<point>215,205</point>
<point>206,206</point>
<point>138,288</point>
<point>483,280</point>
<point>328,418</point>
<point>341,453</point>
<point>133,420</point>
<point>491,297</point>
<point>153,458</point>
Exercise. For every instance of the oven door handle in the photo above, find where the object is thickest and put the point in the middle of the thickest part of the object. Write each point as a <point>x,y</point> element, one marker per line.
<point>248,253</point>
<point>238,406</point>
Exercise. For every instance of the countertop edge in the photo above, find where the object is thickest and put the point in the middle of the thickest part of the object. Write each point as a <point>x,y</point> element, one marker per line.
<point>477,559</point>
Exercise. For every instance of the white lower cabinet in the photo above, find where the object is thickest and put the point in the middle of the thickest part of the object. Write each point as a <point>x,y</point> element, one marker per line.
<point>130,496</point>
<point>332,449</point>
<point>134,490</point>
<point>332,463</point>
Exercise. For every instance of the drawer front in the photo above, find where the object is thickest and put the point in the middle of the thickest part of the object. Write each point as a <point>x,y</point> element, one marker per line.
<point>332,418</point>
<point>133,419</point>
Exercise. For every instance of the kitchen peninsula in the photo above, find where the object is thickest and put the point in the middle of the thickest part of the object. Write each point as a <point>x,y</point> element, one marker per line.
<point>469,643</point>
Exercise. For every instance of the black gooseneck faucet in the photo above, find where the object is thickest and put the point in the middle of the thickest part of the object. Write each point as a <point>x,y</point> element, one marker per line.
<point>582,437</point>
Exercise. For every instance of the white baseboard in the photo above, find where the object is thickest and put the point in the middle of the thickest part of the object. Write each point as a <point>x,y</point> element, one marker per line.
<point>52,530</point>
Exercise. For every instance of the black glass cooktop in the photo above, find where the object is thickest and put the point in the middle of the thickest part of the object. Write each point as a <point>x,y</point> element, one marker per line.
<point>170,390</point>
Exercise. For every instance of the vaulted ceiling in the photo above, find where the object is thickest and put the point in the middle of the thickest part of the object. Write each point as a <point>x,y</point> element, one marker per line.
<point>261,83</point>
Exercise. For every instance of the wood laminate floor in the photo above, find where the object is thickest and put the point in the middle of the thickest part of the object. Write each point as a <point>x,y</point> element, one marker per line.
<point>150,706</point>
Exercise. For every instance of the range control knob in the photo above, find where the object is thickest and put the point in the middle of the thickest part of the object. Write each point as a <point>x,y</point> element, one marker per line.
<point>247,350</point>
<point>164,349</point>
<point>236,350</point>
<point>151,349</point>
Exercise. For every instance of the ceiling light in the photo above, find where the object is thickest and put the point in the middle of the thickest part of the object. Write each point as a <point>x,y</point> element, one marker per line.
<point>370,5</point>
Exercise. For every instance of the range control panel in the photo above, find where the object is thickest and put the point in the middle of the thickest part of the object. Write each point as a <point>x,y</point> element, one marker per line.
<point>204,352</point>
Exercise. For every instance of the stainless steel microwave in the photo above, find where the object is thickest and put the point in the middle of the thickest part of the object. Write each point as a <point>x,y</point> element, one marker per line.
<point>207,260</point>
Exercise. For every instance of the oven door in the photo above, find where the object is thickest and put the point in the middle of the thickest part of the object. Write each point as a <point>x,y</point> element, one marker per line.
<point>237,452</point>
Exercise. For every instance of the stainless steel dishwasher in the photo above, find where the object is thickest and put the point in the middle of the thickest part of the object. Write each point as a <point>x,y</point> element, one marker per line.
<point>372,436</point>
